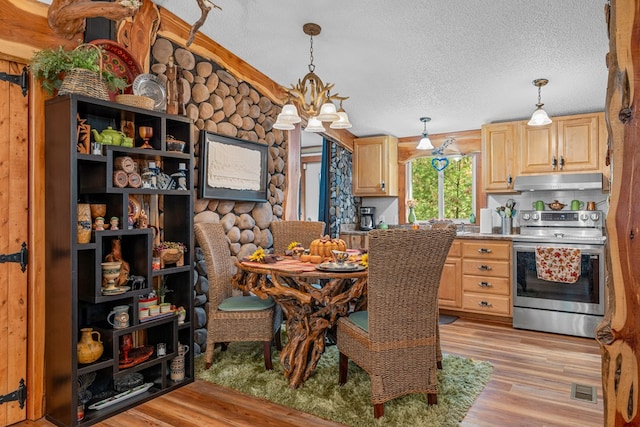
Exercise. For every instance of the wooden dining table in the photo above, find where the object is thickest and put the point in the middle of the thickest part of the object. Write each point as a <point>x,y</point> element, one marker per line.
<point>310,310</point>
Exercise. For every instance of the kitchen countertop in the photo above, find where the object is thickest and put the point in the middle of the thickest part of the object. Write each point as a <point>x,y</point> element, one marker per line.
<point>471,235</point>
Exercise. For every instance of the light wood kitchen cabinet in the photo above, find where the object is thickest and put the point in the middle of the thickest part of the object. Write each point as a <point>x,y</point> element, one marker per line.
<point>486,277</point>
<point>450,292</point>
<point>355,239</point>
<point>375,166</point>
<point>498,159</point>
<point>569,144</point>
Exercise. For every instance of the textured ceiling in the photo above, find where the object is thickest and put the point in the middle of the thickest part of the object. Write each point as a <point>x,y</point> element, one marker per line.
<point>464,63</point>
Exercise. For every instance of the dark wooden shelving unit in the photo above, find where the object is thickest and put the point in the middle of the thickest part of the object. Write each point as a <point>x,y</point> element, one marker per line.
<point>73,270</point>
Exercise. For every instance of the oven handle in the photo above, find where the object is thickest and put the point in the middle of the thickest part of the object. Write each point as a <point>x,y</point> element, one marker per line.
<point>531,247</point>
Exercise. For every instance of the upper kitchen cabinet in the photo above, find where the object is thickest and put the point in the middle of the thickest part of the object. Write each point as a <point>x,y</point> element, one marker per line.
<point>569,144</point>
<point>375,166</point>
<point>498,141</point>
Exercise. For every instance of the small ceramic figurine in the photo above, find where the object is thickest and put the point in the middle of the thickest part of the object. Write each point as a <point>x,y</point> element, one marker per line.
<point>143,220</point>
<point>99,223</point>
<point>114,222</point>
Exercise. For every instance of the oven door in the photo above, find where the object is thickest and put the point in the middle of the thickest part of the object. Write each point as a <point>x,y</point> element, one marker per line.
<point>586,295</point>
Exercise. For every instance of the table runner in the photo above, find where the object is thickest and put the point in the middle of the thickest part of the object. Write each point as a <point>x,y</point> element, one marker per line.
<point>287,264</point>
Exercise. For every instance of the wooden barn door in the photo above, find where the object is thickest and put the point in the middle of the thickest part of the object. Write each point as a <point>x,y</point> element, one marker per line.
<point>14,204</point>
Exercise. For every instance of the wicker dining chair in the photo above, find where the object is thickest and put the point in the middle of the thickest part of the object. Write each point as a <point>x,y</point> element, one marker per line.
<point>303,232</point>
<point>233,318</point>
<point>395,340</point>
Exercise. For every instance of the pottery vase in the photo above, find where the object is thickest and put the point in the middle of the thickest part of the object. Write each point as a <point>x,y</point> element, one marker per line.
<point>412,215</point>
<point>84,223</point>
<point>116,256</point>
<point>89,349</point>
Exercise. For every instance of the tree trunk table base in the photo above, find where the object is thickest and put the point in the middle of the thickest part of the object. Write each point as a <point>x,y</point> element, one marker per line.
<point>309,311</point>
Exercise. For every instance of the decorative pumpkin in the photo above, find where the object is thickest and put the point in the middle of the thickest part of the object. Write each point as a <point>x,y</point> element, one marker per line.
<point>324,245</point>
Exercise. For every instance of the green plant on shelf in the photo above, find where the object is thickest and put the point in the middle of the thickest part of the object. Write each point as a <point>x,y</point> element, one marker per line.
<point>163,290</point>
<point>50,65</point>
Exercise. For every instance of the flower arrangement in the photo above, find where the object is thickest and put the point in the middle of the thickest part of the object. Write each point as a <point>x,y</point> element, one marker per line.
<point>364,260</point>
<point>170,245</point>
<point>293,245</point>
<point>412,203</point>
<point>258,255</point>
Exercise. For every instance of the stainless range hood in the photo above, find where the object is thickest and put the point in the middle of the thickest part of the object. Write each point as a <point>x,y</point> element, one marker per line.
<point>565,181</point>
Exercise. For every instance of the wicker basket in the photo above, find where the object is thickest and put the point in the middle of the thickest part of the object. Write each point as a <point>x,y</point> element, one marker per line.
<point>136,101</point>
<point>85,82</point>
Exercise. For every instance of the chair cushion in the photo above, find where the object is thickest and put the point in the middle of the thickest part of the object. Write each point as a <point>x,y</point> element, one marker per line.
<point>246,303</point>
<point>360,319</point>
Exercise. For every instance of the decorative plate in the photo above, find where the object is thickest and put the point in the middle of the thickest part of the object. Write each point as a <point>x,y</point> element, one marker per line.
<point>134,208</point>
<point>148,85</point>
<point>347,267</point>
<point>117,59</point>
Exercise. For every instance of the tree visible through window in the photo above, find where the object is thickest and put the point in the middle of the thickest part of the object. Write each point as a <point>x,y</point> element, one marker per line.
<point>451,189</point>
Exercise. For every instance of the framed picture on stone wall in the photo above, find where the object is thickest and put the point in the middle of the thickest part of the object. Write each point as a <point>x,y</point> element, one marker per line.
<point>232,168</point>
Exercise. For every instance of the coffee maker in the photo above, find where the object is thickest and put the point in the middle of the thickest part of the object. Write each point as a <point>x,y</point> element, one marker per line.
<point>367,218</point>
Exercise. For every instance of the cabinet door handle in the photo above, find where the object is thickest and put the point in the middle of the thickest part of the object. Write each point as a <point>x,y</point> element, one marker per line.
<point>509,179</point>
<point>554,162</point>
<point>484,250</point>
<point>382,185</point>
<point>485,304</point>
<point>485,285</point>
<point>561,162</point>
<point>484,267</point>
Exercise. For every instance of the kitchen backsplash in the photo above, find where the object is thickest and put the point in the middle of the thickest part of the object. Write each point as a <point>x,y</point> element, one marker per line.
<point>524,200</point>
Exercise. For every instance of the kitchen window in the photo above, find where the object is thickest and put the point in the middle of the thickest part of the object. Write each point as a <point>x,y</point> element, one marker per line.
<point>443,192</point>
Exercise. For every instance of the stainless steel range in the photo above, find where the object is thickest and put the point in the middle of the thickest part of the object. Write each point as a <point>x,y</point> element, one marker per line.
<point>549,302</point>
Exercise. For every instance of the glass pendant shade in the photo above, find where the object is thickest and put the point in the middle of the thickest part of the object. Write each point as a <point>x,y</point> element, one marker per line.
<point>342,123</point>
<point>314,125</point>
<point>328,112</point>
<point>283,124</point>
<point>539,118</point>
<point>290,114</point>
<point>425,143</point>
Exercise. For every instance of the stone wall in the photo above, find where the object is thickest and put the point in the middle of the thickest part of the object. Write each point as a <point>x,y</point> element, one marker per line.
<point>219,102</point>
<point>343,208</point>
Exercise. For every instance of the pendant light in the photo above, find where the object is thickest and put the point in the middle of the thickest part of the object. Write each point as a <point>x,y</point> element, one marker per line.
<point>425,142</point>
<point>539,116</point>
<point>313,97</point>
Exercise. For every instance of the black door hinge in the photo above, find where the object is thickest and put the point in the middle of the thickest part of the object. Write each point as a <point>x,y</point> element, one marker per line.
<point>20,395</point>
<point>21,80</point>
<point>21,257</point>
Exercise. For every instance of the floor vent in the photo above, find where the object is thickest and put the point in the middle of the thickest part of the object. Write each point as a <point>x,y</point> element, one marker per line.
<point>584,392</point>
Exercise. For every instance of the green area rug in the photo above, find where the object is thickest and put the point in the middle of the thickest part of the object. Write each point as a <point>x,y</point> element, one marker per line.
<point>241,367</point>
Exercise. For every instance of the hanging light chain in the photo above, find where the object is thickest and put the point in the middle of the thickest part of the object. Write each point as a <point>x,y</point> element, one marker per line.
<point>539,104</point>
<point>311,66</point>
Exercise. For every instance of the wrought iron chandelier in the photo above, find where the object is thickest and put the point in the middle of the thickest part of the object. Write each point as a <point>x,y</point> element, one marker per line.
<point>314,98</point>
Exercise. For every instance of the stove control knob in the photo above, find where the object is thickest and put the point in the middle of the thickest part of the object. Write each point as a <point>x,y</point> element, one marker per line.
<point>595,216</point>
<point>584,217</point>
<point>526,216</point>
<point>535,216</point>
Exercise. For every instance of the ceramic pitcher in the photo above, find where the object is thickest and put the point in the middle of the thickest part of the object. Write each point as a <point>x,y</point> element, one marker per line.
<point>89,350</point>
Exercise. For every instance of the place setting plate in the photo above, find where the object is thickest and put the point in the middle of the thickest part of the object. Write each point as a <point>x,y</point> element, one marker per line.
<point>347,267</point>
<point>148,85</point>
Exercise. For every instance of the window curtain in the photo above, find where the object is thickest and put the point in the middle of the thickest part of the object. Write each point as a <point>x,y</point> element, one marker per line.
<point>323,205</point>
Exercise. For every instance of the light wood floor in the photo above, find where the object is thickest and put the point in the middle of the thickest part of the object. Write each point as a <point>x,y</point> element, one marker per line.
<point>530,386</point>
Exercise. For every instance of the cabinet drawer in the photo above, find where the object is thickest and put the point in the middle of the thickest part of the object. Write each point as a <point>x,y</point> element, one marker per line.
<point>489,285</point>
<point>490,304</point>
<point>489,268</point>
<point>485,250</point>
